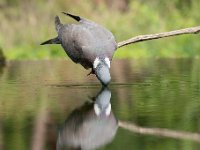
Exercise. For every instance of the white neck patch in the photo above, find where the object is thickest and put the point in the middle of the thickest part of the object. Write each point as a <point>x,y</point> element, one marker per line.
<point>97,110</point>
<point>97,61</point>
<point>108,110</point>
<point>107,61</point>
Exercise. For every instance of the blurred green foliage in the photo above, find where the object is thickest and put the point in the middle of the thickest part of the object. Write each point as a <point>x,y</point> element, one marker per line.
<point>25,24</point>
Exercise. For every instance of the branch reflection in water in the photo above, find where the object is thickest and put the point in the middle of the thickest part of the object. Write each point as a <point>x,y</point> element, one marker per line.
<point>160,132</point>
<point>90,126</point>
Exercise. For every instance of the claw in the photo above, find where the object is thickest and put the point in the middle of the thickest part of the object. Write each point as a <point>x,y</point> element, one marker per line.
<point>91,72</point>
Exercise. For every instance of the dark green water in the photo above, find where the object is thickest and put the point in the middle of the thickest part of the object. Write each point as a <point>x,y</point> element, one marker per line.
<point>150,105</point>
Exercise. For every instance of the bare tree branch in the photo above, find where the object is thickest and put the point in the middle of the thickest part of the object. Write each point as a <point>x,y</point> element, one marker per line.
<point>140,38</point>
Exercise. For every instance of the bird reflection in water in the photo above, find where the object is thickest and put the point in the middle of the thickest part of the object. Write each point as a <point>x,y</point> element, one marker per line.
<point>89,127</point>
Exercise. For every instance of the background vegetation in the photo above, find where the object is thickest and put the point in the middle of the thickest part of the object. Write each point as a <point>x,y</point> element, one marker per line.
<point>26,23</point>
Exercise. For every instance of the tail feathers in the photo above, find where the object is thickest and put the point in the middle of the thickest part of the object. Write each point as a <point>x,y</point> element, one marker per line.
<point>58,24</point>
<point>52,41</point>
<point>77,18</point>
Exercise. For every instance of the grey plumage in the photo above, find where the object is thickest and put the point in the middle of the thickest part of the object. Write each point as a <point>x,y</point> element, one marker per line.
<point>85,41</point>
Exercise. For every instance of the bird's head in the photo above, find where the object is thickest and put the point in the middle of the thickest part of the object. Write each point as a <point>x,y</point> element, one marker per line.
<point>102,102</point>
<point>101,67</point>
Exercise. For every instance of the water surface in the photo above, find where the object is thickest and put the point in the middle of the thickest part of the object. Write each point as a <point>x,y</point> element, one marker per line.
<point>151,104</point>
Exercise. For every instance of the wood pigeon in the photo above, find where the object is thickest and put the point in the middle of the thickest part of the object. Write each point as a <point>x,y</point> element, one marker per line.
<point>90,126</point>
<point>88,44</point>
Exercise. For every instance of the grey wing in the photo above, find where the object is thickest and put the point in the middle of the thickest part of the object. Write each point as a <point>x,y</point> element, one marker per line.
<point>102,41</point>
<point>98,31</point>
<point>85,41</point>
<point>66,36</point>
<point>74,39</point>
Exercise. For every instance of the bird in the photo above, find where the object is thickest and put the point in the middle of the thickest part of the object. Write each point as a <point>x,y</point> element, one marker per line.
<point>89,126</point>
<point>87,43</point>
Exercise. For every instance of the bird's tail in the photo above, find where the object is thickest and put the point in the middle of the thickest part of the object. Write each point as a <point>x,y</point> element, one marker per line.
<point>77,18</point>
<point>58,24</point>
<point>52,41</point>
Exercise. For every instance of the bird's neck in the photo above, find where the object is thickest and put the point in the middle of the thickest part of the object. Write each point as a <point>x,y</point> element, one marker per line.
<point>99,60</point>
